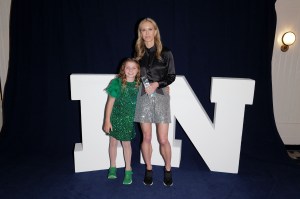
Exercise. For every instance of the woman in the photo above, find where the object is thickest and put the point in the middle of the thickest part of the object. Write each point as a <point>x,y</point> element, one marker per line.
<point>153,102</point>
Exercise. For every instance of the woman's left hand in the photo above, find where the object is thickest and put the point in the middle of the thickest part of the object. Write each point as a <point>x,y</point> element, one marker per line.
<point>168,90</point>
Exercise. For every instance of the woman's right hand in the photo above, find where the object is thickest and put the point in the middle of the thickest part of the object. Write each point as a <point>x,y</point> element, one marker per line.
<point>152,88</point>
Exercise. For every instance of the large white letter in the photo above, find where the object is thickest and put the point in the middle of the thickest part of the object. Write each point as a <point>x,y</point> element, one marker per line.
<point>224,134</point>
<point>219,142</point>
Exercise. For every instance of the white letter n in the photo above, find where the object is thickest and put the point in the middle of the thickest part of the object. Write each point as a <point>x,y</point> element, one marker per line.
<point>219,142</point>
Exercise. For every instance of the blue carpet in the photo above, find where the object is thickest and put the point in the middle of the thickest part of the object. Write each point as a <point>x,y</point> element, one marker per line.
<point>45,176</point>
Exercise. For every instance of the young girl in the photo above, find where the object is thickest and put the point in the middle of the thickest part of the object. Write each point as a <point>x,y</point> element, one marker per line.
<point>119,113</point>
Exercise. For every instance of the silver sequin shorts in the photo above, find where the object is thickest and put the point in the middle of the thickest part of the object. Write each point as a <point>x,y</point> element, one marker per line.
<point>153,109</point>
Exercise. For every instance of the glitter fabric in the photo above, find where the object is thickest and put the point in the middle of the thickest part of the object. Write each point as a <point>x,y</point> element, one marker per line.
<point>155,109</point>
<point>123,110</point>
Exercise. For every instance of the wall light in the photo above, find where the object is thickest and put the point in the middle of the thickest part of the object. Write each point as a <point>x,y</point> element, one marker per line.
<point>288,39</point>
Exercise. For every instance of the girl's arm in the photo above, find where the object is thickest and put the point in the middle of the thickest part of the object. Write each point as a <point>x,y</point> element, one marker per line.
<point>107,127</point>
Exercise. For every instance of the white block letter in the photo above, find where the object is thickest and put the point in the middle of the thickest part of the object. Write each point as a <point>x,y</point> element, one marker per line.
<point>219,142</point>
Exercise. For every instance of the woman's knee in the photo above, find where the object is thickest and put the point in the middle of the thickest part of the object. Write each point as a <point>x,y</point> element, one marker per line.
<point>163,141</point>
<point>162,134</point>
<point>147,137</point>
<point>147,132</point>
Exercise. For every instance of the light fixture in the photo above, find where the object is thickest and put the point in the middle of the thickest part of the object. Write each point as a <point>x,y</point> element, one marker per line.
<point>288,39</point>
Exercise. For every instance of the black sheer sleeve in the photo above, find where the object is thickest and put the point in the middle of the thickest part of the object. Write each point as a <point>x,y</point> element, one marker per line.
<point>171,75</point>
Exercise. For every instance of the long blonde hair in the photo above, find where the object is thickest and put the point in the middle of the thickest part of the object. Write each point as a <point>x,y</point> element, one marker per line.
<point>140,47</point>
<point>122,74</point>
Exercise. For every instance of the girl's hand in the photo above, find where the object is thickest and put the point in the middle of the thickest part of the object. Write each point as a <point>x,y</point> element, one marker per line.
<point>152,88</point>
<point>107,127</point>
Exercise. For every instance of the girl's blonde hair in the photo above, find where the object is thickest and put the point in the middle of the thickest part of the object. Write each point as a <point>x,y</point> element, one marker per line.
<point>122,74</point>
<point>140,47</point>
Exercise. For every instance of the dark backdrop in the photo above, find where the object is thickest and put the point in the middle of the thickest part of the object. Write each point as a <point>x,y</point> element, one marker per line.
<point>49,40</point>
<point>52,39</point>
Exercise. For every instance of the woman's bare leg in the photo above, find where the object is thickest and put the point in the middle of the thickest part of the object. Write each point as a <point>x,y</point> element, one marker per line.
<point>146,144</point>
<point>164,144</point>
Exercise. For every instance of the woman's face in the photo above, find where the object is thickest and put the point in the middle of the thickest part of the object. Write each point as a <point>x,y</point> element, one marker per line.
<point>147,31</point>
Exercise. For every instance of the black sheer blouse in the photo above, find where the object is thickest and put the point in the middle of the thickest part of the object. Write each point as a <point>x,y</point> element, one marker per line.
<point>161,71</point>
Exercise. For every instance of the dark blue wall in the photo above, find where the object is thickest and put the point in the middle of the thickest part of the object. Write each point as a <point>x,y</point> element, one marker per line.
<point>52,39</point>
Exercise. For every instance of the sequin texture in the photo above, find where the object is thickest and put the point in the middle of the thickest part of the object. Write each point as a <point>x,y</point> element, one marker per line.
<point>155,109</point>
<point>123,110</point>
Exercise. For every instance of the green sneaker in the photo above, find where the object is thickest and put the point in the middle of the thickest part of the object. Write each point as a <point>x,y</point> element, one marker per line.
<point>112,173</point>
<point>128,177</point>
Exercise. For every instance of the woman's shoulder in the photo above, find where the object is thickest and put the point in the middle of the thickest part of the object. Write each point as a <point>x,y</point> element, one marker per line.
<point>166,53</point>
<point>166,49</point>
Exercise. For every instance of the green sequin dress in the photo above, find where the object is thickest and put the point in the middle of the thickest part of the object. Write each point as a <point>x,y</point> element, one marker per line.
<point>123,109</point>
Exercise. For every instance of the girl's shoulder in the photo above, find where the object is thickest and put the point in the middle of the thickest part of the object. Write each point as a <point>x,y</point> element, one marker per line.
<point>116,81</point>
<point>114,87</point>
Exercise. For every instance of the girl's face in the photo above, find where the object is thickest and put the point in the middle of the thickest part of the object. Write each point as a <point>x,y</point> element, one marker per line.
<point>147,31</point>
<point>131,69</point>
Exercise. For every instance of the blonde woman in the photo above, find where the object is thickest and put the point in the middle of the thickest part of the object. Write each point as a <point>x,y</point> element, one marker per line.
<point>153,101</point>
